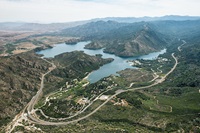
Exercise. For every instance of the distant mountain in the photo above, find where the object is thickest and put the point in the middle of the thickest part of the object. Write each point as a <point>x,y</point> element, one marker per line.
<point>179,29</point>
<point>122,39</point>
<point>22,26</point>
<point>143,41</point>
<point>92,29</point>
<point>147,19</point>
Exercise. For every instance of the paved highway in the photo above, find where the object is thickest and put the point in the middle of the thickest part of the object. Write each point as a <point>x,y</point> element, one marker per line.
<point>42,122</point>
<point>32,117</point>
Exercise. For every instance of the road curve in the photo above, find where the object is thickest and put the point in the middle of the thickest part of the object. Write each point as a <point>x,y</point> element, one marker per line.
<point>30,106</point>
<point>42,122</point>
<point>32,117</point>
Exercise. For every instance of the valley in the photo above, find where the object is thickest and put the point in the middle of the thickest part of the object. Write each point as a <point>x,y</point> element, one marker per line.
<point>117,64</point>
<point>102,76</point>
<point>31,111</point>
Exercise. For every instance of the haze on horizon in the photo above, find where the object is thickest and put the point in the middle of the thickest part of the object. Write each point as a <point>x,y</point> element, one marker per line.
<point>47,11</point>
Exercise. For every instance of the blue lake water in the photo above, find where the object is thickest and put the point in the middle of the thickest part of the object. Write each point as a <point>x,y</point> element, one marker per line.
<point>117,65</point>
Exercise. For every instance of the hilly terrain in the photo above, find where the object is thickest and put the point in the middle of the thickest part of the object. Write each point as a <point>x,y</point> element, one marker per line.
<point>179,29</point>
<point>92,29</point>
<point>121,39</point>
<point>26,26</point>
<point>132,39</point>
<point>21,75</point>
<point>79,64</point>
<point>142,41</point>
<point>148,19</point>
<point>20,80</point>
<point>171,106</point>
<point>161,96</point>
<point>23,26</point>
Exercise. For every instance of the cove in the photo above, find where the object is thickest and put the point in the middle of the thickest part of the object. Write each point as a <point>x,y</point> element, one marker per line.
<point>118,64</point>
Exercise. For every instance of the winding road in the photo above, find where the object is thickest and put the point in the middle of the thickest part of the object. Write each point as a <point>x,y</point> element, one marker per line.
<point>32,117</point>
<point>30,106</point>
<point>179,48</point>
<point>36,120</point>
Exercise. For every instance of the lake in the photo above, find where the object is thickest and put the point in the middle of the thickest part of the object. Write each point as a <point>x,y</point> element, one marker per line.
<point>118,64</point>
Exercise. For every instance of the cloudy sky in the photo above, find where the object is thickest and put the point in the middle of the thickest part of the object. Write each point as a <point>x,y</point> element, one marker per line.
<point>71,10</point>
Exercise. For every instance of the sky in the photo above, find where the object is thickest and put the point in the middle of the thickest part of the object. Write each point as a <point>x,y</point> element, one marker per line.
<point>48,11</point>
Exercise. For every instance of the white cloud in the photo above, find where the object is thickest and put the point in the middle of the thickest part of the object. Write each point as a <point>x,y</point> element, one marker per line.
<point>70,10</point>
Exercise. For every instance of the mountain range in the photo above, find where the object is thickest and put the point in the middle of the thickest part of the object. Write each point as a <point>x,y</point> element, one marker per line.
<point>25,26</point>
<point>170,106</point>
<point>122,36</point>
